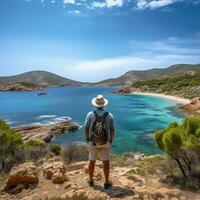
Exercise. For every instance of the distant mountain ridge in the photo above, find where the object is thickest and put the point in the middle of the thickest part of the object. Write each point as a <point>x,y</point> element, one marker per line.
<point>137,75</point>
<point>41,78</point>
<point>49,79</point>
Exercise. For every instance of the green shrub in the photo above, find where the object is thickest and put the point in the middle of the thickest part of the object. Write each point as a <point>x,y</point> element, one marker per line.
<point>10,144</point>
<point>75,152</point>
<point>35,149</point>
<point>34,143</point>
<point>14,151</point>
<point>55,148</point>
<point>182,144</point>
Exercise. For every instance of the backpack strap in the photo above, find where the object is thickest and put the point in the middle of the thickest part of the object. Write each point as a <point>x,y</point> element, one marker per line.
<point>95,113</point>
<point>105,115</point>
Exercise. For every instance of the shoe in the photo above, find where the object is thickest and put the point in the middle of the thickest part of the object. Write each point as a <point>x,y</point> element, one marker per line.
<point>91,183</point>
<point>107,185</point>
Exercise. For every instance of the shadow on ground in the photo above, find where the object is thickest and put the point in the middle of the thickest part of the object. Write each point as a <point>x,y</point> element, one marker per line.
<point>115,191</point>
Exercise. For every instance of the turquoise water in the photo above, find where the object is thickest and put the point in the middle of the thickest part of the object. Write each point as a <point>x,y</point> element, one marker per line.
<point>136,116</point>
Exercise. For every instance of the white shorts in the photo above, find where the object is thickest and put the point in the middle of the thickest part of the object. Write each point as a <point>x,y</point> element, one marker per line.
<point>104,150</point>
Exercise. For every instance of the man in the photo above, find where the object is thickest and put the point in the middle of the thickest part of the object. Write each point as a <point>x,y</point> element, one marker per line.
<point>99,134</point>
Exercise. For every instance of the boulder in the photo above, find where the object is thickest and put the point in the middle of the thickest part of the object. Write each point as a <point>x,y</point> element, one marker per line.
<point>123,90</point>
<point>193,107</point>
<point>23,174</point>
<point>55,171</point>
<point>58,178</point>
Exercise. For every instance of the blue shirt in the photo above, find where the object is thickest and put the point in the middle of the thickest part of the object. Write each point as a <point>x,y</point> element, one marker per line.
<point>90,119</point>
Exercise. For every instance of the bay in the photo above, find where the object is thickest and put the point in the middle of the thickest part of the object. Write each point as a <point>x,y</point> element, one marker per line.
<point>137,117</point>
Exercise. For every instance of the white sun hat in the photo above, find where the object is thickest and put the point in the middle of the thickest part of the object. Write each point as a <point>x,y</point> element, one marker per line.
<point>99,101</point>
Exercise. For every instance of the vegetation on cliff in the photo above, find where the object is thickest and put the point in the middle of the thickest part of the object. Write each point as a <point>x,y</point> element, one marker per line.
<point>182,144</point>
<point>13,150</point>
<point>186,85</point>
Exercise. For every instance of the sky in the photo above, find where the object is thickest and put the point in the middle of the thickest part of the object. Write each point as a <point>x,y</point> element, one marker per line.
<point>92,40</point>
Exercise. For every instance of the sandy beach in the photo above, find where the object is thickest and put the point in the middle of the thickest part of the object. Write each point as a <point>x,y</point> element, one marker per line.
<point>178,99</point>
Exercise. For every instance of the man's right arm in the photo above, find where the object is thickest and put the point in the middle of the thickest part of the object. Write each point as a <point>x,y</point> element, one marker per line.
<point>112,128</point>
<point>87,134</point>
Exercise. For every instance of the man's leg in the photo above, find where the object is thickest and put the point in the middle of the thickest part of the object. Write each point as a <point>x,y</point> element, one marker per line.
<point>91,169</point>
<point>106,167</point>
<point>106,170</point>
<point>91,165</point>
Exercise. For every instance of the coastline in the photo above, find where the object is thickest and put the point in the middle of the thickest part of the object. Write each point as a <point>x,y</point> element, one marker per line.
<point>175,98</point>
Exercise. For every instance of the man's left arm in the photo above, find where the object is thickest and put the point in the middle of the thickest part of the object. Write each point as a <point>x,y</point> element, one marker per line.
<point>87,125</point>
<point>112,135</point>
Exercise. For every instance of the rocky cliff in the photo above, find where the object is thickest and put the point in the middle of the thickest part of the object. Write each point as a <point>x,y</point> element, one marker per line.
<point>53,179</point>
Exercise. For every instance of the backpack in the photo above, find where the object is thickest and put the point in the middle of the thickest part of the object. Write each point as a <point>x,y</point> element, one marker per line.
<point>99,131</point>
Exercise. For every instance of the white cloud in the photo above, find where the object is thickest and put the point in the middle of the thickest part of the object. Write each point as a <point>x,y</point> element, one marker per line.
<point>153,4</point>
<point>98,4</point>
<point>196,2</point>
<point>69,1</point>
<point>111,3</point>
<point>98,70</point>
<point>145,55</point>
<point>74,12</point>
<point>141,4</point>
<point>133,62</point>
<point>106,3</point>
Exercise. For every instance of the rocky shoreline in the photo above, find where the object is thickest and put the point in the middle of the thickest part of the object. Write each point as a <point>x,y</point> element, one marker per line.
<point>47,132</point>
<point>20,87</point>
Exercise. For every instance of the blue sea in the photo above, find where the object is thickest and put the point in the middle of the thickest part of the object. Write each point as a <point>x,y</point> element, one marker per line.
<point>137,117</point>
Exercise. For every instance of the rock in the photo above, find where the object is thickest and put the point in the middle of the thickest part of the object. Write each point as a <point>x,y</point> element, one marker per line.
<point>17,189</point>
<point>55,171</point>
<point>58,178</point>
<point>123,90</point>
<point>23,174</point>
<point>136,179</point>
<point>45,133</point>
<point>97,176</point>
<point>67,185</point>
<point>157,195</point>
<point>20,86</point>
<point>135,155</point>
<point>174,193</point>
<point>193,107</point>
<point>183,198</point>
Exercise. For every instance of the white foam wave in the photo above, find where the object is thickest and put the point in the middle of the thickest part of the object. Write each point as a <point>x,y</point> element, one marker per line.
<point>47,116</point>
<point>10,122</point>
<point>51,120</point>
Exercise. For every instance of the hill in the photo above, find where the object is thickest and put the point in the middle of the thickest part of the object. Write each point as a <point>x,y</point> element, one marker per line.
<point>137,75</point>
<point>42,78</point>
<point>186,85</point>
